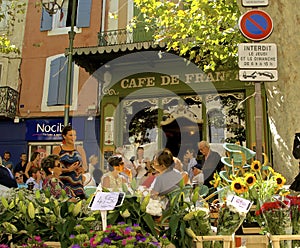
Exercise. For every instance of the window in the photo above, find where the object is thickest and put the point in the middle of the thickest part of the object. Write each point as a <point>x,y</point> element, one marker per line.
<point>216,128</point>
<point>62,19</point>
<point>226,118</point>
<point>55,84</point>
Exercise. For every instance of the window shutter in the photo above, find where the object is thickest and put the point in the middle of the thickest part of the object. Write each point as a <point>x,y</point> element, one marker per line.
<point>58,81</point>
<point>54,82</point>
<point>61,98</point>
<point>46,21</point>
<point>83,13</point>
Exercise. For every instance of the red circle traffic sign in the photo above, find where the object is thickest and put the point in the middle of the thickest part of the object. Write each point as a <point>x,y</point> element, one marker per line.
<point>256,25</point>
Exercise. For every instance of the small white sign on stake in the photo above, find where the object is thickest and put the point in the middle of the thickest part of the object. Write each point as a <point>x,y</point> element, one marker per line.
<point>105,201</point>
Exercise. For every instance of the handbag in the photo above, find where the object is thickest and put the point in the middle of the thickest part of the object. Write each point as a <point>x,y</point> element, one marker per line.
<point>296,146</point>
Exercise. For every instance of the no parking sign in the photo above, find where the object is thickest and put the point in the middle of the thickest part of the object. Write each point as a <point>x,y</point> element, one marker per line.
<point>256,25</point>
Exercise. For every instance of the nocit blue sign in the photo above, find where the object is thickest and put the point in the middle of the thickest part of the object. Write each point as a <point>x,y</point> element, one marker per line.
<point>50,129</point>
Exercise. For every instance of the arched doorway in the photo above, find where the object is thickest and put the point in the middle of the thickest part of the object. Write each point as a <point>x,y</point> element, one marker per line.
<point>181,134</point>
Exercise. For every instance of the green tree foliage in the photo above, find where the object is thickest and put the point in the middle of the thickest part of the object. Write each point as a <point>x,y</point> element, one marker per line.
<point>204,31</point>
<point>11,13</point>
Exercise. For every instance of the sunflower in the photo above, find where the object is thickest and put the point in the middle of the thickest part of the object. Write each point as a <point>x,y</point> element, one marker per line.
<point>280,180</point>
<point>217,180</point>
<point>250,179</point>
<point>256,165</point>
<point>238,185</point>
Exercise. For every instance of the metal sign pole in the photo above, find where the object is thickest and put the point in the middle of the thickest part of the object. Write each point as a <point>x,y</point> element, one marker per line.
<point>258,121</point>
<point>257,25</point>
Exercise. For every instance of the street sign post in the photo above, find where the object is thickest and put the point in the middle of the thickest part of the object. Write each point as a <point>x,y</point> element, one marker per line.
<point>257,55</point>
<point>254,3</point>
<point>256,25</point>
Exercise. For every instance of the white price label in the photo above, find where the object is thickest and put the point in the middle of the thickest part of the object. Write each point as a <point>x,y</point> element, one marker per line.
<point>239,203</point>
<point>106,200</point>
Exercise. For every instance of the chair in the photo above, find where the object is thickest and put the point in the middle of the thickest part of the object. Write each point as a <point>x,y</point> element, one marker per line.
<point>224,175</point>
<point>235,150</point>
<point>237,157</point>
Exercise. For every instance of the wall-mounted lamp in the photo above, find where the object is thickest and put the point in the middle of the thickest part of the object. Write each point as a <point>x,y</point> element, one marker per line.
<point>17,119</point>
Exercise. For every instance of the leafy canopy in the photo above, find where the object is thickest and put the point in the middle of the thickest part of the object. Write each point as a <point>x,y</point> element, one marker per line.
<point>11,13</point>
<point>205,31</point>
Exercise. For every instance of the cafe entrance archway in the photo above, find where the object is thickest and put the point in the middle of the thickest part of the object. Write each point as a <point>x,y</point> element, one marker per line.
<point>181,134</point>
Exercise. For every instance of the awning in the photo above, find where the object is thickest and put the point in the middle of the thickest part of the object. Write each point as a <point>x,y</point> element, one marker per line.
<point>91,58</point>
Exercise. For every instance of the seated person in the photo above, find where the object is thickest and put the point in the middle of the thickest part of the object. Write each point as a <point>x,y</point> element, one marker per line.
<point>168,179</point>
<point>113,179</point>
<point>6,178</point>
<point>178,166</point>
<point>198,177</point>
<point>19,176</point>
<point>149,177</point>
<point>52,168</point>
<point>35,177</point>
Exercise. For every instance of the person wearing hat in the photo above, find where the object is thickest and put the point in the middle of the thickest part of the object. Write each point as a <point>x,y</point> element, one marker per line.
<point>198,177</point>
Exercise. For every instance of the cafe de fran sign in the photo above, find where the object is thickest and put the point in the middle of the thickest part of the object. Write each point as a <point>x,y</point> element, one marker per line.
<point>158,80</point>
<point>165,80</point>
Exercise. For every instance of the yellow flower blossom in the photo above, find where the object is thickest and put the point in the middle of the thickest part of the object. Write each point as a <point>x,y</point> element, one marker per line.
<point>280,180</point>
<point>238,185</point>
<point>256,165</point>
<point>250,179</point>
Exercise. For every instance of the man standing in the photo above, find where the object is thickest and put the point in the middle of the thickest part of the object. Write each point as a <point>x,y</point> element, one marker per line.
<point>21,166</point>
<point>211,162</point>
<point>6,161</point>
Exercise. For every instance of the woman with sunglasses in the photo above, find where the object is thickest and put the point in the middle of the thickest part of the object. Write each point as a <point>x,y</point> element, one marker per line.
<point>20,180</point>
<point>113,180</point>
<point>52,168</point>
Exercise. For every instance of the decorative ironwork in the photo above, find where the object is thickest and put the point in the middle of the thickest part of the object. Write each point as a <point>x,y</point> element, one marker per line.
<point>8,102</point>
<point>124,36</point>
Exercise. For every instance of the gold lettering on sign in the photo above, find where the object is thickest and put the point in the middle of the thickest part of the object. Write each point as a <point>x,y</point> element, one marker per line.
<point>169,80</point>
<point>137,82</point>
